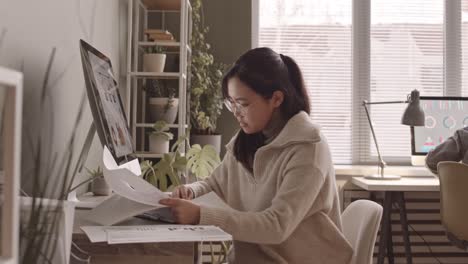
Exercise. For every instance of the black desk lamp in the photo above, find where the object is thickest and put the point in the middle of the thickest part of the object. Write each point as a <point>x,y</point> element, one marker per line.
<point>413,116</point>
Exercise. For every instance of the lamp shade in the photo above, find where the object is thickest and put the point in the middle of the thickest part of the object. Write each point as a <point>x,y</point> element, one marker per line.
<point>414,114</point>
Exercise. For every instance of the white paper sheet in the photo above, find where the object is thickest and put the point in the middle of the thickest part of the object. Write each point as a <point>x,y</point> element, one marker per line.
<point>125,184</point>
<point>95,233</point>
<point>109,163</point>
<point>132,194</point>
<point>166,233</point>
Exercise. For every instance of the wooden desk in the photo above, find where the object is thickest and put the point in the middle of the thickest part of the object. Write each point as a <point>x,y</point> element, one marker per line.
<point>394,193</point>
<point>142,253</point>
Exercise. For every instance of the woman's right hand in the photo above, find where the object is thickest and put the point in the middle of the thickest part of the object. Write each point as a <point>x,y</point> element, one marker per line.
<point>182,192</point>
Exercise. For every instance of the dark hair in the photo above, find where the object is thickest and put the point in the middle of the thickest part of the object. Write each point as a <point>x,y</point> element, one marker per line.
<point>265,71</point>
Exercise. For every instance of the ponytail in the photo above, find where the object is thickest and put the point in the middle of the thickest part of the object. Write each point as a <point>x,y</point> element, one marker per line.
<point>300,97</point>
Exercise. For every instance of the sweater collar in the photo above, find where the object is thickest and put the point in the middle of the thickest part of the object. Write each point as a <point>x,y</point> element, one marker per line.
<point>274,127</point>
<point>299,128</point>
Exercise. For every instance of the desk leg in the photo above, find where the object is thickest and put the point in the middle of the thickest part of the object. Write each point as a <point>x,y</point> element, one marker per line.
<point>384,228</point>
<point>198,253</point>
<point>390,256</point>
<point>404,226</point>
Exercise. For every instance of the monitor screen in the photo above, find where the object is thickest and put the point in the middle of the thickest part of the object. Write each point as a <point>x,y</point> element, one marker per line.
<point>444,115</point>
<point>105,102</point>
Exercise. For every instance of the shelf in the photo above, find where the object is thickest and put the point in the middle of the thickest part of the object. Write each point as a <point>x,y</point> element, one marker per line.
<point>161,75</point>
<point>141,37</point>
<point>163,5</point>
<point>150,125</point>
<point>143,154</point>
<point>169,44</point>
<point>159,43</point>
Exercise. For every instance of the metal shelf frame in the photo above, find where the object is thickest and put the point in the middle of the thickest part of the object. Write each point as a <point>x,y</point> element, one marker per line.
<point>135,44</point>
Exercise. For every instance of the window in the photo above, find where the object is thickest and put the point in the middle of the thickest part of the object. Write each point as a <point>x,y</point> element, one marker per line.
<point>464,40</point>
<point>398,46</point>
<point>406,53</point>
<point>317,34</point>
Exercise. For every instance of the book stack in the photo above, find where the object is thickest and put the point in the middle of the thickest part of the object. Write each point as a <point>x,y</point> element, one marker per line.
<point>159,35</point>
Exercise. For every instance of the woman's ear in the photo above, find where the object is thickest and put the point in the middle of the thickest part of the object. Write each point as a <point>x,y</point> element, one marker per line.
<point>277,98</point>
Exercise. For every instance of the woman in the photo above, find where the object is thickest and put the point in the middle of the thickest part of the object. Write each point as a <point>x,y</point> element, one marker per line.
<point>277,174</point>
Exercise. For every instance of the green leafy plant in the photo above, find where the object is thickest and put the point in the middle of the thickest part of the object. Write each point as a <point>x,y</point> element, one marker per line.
<point>160,129</point>
<point>205,94</point>
<point>201,161</point>
<point>155,49</point>
<point>161,89</point>
<point>93,174</point>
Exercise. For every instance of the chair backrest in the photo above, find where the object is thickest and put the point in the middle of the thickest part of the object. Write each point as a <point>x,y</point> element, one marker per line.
<point>454,201</point>
<point>361,221</point>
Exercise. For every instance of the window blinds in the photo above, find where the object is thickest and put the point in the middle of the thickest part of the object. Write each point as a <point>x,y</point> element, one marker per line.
<point>406,52</point>
<point>464,45</point>
<point>406,49</point>
<point>317,34</point>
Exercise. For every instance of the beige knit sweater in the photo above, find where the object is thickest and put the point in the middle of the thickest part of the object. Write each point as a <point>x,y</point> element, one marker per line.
<point>287,211</point>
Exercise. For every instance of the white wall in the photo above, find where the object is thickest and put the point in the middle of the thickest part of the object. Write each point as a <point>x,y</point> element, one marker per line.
<point>28,31</point>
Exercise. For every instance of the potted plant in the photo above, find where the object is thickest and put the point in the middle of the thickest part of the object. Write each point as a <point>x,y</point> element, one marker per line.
<point>161,101</point>
<point>46,218</point>
<point>154,59</point>
<point>99,185</point>
<point>205,94</point>
<point>159,138</point>
<point>167,172</point>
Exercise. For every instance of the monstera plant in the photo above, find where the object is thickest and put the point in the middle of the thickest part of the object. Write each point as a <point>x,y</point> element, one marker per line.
<point>167,172</point>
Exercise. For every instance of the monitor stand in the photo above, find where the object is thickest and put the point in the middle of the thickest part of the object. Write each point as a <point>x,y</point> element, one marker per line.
<point>418,160</point>
<point>85,150</point>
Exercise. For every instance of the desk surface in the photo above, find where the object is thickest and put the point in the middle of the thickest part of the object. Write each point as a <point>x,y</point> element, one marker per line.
<point>359,170</point>
<point>141,253</point>
<point>405,184</point>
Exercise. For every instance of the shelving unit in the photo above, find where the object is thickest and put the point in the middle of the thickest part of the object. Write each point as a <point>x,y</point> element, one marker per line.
<point>139,14</point>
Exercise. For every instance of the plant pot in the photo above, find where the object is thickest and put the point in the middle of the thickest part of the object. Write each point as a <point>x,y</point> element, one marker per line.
<point>154,62</point>
<point>202,140</point>
<point>58,234</point>
<point>158,145</point>
<point>100,187</point>
<point>159,109</point>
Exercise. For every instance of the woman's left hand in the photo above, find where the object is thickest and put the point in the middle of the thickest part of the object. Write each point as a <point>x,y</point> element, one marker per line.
<point>184,211</point>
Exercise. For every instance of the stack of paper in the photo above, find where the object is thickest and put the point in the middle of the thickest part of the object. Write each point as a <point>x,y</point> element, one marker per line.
<point>155,233</point>
<point>133,196</point>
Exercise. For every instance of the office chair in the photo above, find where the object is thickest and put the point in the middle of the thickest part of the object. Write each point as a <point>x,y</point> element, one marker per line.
<point>453,201</point>
<point>361,221</point>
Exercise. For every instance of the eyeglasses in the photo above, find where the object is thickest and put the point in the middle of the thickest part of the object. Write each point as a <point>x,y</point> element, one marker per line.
<point>235,107</point>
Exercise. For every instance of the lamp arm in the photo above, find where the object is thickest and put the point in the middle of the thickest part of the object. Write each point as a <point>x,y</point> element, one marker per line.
<point>382,163</point>
<point>387,102</point>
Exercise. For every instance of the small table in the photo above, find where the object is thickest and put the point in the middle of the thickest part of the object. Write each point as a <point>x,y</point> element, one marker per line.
<point>393,192</point>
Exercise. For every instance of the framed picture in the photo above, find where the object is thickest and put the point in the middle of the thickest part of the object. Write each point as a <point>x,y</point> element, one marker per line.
<point>11,98</point>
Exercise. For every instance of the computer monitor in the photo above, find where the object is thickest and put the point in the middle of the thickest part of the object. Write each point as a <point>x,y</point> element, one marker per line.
<point>444,115</point>
<point>105,102</point>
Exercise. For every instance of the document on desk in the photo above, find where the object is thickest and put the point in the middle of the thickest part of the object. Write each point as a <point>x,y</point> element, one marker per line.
<point>132,194</point>
<point>155,233</point>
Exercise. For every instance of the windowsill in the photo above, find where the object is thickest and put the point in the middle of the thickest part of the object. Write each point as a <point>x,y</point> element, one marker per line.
<point>362,170</point>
